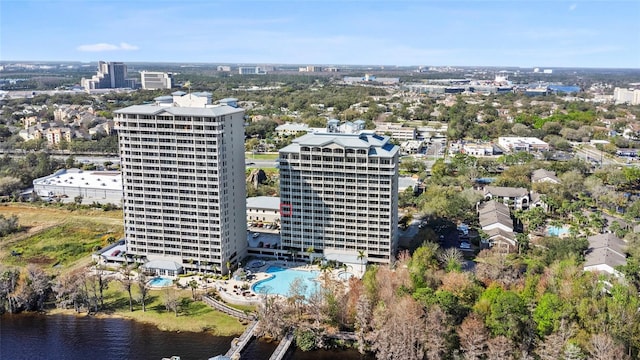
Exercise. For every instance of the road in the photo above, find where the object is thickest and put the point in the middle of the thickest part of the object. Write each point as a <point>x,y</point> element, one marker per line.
<point>594,156</point>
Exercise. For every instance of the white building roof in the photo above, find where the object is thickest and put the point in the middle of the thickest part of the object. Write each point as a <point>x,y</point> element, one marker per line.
<point>292,127</point>
<point>264,202</point>
<point>210,110</point>
<point>521,140</point>
<point>377,145</point>
<point>163,264</point>
<point>75,178</point>
<point>405,182</point>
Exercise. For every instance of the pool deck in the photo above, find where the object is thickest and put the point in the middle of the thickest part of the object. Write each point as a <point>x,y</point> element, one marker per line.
<point>231,290</point>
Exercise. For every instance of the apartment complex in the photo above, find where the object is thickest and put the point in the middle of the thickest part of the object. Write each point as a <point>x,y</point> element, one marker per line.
<point>153,80</point>
<point>184,184</point>
<point>339,196</point>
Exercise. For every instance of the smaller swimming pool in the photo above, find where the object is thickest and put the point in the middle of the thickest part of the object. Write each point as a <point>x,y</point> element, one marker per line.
<point>160,281</point>
<point>557,231</point>
<point>255,264</point>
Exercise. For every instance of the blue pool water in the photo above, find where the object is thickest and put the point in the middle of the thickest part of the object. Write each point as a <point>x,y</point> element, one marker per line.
<point>160,282</point>
<point>282,278</point>
<point>557,231</point>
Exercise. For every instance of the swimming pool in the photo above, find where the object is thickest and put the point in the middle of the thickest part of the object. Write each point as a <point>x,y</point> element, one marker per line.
<point>557,231</point>
<point>281,279</point>
<point>160,282</point>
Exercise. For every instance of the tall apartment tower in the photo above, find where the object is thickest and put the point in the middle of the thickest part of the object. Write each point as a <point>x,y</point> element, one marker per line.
<point>339,196</point>
<point>183,176</point>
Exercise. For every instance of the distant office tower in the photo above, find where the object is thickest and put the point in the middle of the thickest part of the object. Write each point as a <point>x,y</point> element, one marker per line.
<point>310,68</point>
<point>155,80</point>
<point>183,176</point>
<point>251,70</point>
<point>110,75</point>
<point>339,195</point>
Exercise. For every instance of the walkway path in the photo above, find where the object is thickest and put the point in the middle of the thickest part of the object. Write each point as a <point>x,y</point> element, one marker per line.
<point>237,345</point>
<point>282,348</point>
<point>228,309</point>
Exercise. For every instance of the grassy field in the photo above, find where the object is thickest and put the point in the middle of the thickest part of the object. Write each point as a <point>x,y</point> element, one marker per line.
<point>54,236</point>
<point>193,316</point>
<point>249,156</point>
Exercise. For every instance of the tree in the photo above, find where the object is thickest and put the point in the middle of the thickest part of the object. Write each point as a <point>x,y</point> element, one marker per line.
<point>505,313</point>
<point>70,290</point>
<point>143,291</point>
<point>8,282</point>
<point>171,300</point>
<point>100,284</point>
<point>548,313</point>
<point>272,320</point>
<point>126,280</point>
<point>551,347</point>
<point>603,347</point>
<point>500,348</point>
<point>573,352</point>
<point>399,330</point>
<point>40,286</point>
<point>193,284</point>
<point>363,320</point>
<point>473,338</point>
<point>361,256</point>
<point>437,330</point>
<point>452,259</point>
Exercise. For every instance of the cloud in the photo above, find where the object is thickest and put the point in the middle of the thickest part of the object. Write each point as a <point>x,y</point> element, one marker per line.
<point>573,7</point>
<point>106,47</point>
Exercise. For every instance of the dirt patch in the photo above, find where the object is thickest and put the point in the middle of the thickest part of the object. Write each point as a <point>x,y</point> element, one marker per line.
<point>41,260</point>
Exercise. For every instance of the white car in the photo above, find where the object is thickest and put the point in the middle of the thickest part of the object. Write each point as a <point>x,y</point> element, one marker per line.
<point>465,245</point>
<point>255,235</point>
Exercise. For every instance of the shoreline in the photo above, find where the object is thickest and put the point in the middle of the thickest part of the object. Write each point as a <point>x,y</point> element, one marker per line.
<point>190,324</point>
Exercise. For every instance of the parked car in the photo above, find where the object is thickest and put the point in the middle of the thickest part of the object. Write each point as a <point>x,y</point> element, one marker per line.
<point>465,245</point>
<point>255,235</point>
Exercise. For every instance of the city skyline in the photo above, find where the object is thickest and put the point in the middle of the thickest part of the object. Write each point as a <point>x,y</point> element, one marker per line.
<point>597,34</point>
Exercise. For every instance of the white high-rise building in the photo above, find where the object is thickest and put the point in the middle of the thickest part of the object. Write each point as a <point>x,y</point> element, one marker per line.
<point>153,80</point>
<point>626,96</point>
<point>339,196</point>
<point>183,176</point>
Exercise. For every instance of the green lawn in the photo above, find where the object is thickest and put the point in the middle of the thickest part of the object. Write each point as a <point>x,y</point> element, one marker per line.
<point>249,156</point>
<point>193,316</point>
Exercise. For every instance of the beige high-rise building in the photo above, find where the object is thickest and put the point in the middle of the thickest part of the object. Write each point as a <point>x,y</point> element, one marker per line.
<point>183,176</point>
<point>339,196</point>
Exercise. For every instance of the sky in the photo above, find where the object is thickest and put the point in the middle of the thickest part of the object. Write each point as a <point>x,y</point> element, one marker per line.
<point>523,33</point>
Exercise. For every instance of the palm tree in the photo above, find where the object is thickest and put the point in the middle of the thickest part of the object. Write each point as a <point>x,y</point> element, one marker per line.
<point>361,257</point>
<point>193,284</point>
<point>310,251</point>
<point>294,254</point>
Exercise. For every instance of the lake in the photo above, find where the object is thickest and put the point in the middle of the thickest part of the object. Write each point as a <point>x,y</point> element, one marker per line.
<point>34,336</point>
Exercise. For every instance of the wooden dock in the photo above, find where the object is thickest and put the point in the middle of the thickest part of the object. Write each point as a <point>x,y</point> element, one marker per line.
<point>238,344</point>
<point>283,347</point>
